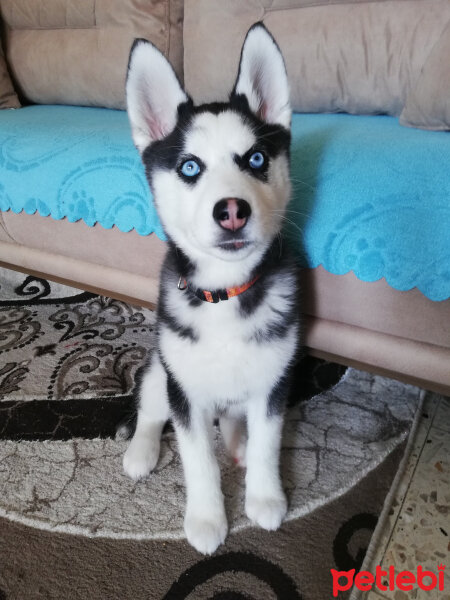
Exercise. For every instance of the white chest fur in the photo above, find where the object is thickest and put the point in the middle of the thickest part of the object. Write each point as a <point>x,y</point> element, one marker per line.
<point>227,363</point>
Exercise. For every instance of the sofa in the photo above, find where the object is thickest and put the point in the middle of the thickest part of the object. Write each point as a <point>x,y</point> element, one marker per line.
<point>370,213</point>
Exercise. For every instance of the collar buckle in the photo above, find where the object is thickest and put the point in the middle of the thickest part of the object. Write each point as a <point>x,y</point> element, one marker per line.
<point>182,284</point>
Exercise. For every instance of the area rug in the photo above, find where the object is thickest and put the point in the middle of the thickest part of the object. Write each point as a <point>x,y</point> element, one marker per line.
<point>73,526</point>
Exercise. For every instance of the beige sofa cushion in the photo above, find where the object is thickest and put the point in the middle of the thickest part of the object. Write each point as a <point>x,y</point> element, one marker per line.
<point>428,103</point>
<point>76,51</point>
<point>8,97</point>
<point>356,57</point>
<point>371,325</point>
<point>341,298</point>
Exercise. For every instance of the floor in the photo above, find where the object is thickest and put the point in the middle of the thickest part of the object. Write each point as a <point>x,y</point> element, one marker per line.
<point>417,531</point>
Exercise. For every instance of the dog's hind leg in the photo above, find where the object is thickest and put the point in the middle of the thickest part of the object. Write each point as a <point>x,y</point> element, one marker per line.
<point>153,412</point>
<point>234,434</point>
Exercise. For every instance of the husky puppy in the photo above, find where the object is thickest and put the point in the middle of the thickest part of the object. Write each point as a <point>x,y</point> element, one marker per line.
<point>227,322</point>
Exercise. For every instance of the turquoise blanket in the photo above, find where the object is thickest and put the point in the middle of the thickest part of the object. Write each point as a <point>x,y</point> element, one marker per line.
<point>369,195</point>
<point>74,162</point>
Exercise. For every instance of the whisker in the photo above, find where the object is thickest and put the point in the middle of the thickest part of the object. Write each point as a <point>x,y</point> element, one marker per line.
<point>311,187</point>
<point>293,212</point>
<point>291,223</point>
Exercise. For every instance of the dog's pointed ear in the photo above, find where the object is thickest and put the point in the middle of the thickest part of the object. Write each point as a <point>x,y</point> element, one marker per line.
<point>153,94</point>
<point>262,77</point>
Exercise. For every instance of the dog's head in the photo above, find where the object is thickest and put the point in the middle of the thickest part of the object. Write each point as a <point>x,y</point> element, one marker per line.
<point>219,172</point>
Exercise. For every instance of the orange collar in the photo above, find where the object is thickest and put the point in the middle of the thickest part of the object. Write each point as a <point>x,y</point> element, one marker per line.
<point>216,295</point>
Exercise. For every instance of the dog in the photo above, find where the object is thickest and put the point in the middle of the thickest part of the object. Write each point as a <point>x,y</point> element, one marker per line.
<point>227,319</point>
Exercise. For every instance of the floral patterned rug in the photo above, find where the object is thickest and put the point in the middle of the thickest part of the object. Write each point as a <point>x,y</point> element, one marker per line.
<point>73,526</point>
<point>69,359</point>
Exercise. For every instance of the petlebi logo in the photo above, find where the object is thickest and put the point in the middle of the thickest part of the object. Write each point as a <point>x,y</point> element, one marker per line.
<point>388,580</point>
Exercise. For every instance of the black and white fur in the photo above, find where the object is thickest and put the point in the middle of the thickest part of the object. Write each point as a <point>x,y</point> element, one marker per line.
<point>231,359</point>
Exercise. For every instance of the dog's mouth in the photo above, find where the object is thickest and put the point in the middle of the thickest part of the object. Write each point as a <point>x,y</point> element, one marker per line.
<point>234,245</point>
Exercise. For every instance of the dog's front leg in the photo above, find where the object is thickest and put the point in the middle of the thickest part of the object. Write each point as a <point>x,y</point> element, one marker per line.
<point>153,411</point>
<point>265,502</point>
<point>205,523</point>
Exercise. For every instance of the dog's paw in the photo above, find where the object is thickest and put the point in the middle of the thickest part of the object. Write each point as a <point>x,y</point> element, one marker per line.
<point>140,458</point>
<point>239,454</point>
<point>235,439</point>
<point>267,512</point>
<point>205,534</point>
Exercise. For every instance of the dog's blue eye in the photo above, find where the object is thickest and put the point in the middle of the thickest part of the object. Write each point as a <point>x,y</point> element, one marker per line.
<point>190,168</point>
<point>256,160</point>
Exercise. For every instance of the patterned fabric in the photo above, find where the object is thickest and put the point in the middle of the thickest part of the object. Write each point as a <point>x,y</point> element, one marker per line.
<point>369,195</point>
<point>372,197</point>
<point>67,366</point>
<point>68,360</point>
<point>74,162</point>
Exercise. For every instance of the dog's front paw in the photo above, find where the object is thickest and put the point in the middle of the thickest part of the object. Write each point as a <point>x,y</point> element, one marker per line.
<point>267,512</point>
<point>140,458</point>
<point>204,533</point>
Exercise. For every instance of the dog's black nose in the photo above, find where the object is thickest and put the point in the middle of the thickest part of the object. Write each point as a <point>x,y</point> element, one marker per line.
<point>232,213</point>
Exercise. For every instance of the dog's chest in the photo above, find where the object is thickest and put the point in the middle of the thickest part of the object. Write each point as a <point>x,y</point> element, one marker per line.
<point>226,363</point>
